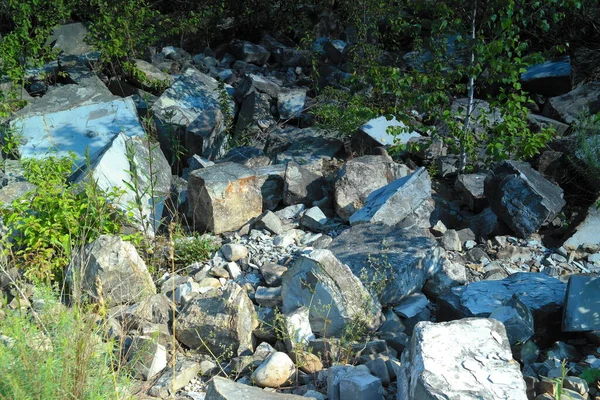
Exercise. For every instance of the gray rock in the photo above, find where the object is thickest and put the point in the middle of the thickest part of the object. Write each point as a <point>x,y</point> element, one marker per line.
<point>299,332</point>
<point>155,309</point>
<point>587,235</point>
<point>224,389</point>
<point>395,201</point>
<point>451,240</point>
<point>411,305</point>
<point>152,75</point>
<point>551,78</point>
<point>234,252</point>
<point>539,122</point>
<point>302,186</point>
<point>275,371</point>
<point>378,132</point>
<point>517,320</point>
<point>361,387</point>
<point>582,311</point>
<point>249,52</point>
<point>485,224</point>
<point>248,156</point>
<point>70,40</point>
<point>218,322</point>
<point>268,296</point>
<point>450,275</point>
<point>335,296</point>
<point>470,187</point>
<point>399,260</point>
<point>15,190</point>
<point>252,82</point>
<point>335,50</point>
<point>570,106</point>
<point>443,362</point>
<point>522,198</point>
<point>254,116</point>
<point>223,197</point>
<point>271,180</point>
<point>290,103</point>
<point>269,222</point>
<point>543,295</point>
<point>146,357</point>
<point>291,212</point>
<point>314,219</point>
<point>206,135</point>
<point>185,371</point>
<point>113,266</point>
<point>339,372</point>
<point>359,178</point>
<point>272,273</point>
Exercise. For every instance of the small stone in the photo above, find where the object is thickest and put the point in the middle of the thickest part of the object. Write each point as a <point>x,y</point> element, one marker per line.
<point>275,371</point>
<point>307,362</point>
<point>234,270</point>
<point>451,241</point>
<point>234,252</point>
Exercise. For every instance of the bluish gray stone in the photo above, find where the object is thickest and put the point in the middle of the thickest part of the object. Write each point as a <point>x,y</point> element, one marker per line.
<point>551,78</point>
<point>290,103</point>
<point>517,320</point>
<point>361,387</point>
<point>570,106</point>
<point>249,52</point>
<point>582,305</point>
<point>587,235</point>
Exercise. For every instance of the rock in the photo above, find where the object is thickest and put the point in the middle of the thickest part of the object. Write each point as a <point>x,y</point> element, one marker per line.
<point>361,387</point>
<point>297,323</point>
<point>252,82</point>
<point>156,309</point>
<point>442,362</point>
<point>377,132</point>
<point>522,198</point>
<point>395,201</point>
<point>220,320</point>
<point>271,180</point>
<point>335,50</point>
<point>223,197</point>
<point>254,116</point>
<point>206,135</point>
<point>290,103</point>
<point>307,147</point>
<point>470,187</point>
<point>569,107</point>
<point>411,305</point>
<point>141,174</point>
<point>401,260</point>
<point>306,362</point>
<point>268,296</point>
<point>587,235</point>
<point>451,240</point>
<point>485,224</point>
<point>517,320</point>
<point>224,389</point>
<point>234,252</point>
<point>314,219</point>
<point>450,275</point>
<point>581,311</point>
<point>185,371</point>
<point>248,156</point>
<point>110,270</point>
<point>302,186</point>
<point>151,76</point>
<point>269,222</point>
<point>146,357</point>
<point>438,229</point>
<point>359,178</point>
<point>539,122</point>
<point>275,371</point>
<point>249,52</point>
<point>272,273</point>
<point>543,295</point>
<point>291,212</point>
<point>70,40</point>
<point>339,372</point>
<point>335,296</point>
<point>551,78</point>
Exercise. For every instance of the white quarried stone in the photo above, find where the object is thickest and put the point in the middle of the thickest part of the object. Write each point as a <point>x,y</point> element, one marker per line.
<point>377,128</point>
<point>298,328</point>
<point>443,362</point>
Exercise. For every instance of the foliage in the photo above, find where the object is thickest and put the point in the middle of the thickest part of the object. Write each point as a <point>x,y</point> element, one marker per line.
<point>46,224</point>
<point>188,250</point>
<point>57,353</point>
<point>587,145</point>
<point>590,375</point>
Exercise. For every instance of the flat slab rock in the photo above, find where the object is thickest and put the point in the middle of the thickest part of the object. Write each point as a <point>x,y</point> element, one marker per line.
<point>225,389</point>
<point>443,363</point>
<point>582,304</point>
<point>373,251</point>
<point>542,294</point>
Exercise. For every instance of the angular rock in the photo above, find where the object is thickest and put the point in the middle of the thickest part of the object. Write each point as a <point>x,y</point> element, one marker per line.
<point>224,389</point>
<point>451,240</point>
<point>551,78</point>
<point>249,156</point>
<point>451,274</point>
<point>252,82</point>
<point>269,222</point>
<point>335,296</point>
<point>302,186</point>
<point>275,371</point>
<point>470,187</point>
<point>254,116</point>
<point>339,372</point>
<point>543,295</point>
<point>70,40</point>
<point>185,371</point>
<point>359,178</point>
<point>271,181</point>
<point>402,259</point>
<point>249,52</point>
<point>223,197</point>
<point>517,320</point>
<point>220,320</point>
<point>395,201</point>
<point>206,135</point>
<point>587,235</point>
<point>522,198</point>
<point>146,357</point>
<point>314,219</point>
<point>539,122</point>
<point>570,106</point>
<point>361,387</point>
<point>151,75</point>
<point>268,296</point>
<point>297,323</point>
<point>443,363</point>
<point>582,304</point>
<point>378,132</point>
<point>113,266</point>
<point>290,103</point>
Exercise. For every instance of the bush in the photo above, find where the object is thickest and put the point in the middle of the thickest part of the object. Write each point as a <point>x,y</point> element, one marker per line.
<point>45,225</point>
<point>56,353</point>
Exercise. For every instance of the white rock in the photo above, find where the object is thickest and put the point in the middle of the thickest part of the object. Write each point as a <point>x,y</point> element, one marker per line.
<point>275,371</point>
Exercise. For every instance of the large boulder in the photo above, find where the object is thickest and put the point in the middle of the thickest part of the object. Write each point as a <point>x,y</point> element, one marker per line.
<point>206,135</point>
<point>543,295</point>
<point>223,197</point>
<point>443,362</point>
<point>359,178</point>
<point>140,173</point>
<point>582,311</point>
<point>334,295</point>
<point>551,78</point>
<point>110,270</point>
<point>219,322</point>
<point>395,201</point>
<point>570,106</point>
<point>587,234</point>
<point>249,52</point>
<point>302,186</point>
<point>399,260</point>
<point>521,197</point>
